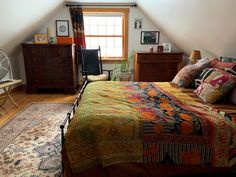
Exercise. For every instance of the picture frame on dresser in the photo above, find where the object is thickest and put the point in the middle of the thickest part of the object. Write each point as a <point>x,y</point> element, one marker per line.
<point>40,39</point>
<point>62,28</point>
<point>150,37</point>
<point>166,47</point>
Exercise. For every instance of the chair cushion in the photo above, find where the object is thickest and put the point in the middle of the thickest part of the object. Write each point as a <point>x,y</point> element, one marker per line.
<point>92,78</point>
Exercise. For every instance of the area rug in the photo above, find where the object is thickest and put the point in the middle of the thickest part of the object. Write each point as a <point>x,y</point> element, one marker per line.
<point>30,143</point>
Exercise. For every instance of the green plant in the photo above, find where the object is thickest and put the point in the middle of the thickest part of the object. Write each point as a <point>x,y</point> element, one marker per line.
<point>122,67</point>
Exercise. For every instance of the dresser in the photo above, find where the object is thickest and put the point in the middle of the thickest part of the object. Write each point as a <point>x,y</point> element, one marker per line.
<point>156,67</point>
<point>50,66</point>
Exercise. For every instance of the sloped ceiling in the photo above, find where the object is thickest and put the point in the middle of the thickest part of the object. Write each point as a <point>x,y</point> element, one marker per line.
<point>207,25</point>
<point>20,19</point>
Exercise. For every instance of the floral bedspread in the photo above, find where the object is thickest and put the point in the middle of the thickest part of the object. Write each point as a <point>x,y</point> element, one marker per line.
<point>149,123</point>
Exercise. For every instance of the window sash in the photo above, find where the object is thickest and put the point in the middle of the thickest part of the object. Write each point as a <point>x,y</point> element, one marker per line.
<point>108,12</point>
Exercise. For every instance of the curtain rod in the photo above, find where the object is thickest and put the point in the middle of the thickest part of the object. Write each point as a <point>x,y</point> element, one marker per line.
<point>102,4</point>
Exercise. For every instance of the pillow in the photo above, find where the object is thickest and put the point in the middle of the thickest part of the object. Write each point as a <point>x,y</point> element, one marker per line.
<point>215,63</point>
<point>232,96</point>
<point>202,76</point>
<point>227,59</point>
<point>216,86</point>
<point>187,74</point>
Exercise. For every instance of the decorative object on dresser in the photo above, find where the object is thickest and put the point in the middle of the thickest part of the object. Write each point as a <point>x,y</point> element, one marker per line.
<point>166,47</point>
<point>150,37</point>
<point>195,55</point>
<point>152,67</point>
<point>40,39</point>
<point>62,28</point>
<point>50,67</point>
<point>160,48</point>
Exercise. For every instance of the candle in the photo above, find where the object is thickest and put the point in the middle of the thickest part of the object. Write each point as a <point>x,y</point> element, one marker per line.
<point>50,32</point>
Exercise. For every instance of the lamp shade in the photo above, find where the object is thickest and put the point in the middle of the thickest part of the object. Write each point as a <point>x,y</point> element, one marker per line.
<point>195,55</point>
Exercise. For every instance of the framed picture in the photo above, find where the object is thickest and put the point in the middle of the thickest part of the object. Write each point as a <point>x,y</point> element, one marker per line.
<point>62,28</point>
<point>137,23</point>
<point>167,47</point>
<point>150,37</point>
<point>40,39</point>
<point>160,48</point>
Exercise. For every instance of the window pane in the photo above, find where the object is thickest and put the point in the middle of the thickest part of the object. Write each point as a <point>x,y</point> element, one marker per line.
<point>110,30</point>
<point>102,30</point>
<point>118,42</point>
<point>118,30</point>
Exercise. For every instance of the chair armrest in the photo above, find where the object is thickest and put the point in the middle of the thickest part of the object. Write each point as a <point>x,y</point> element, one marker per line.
<point>109,73</point>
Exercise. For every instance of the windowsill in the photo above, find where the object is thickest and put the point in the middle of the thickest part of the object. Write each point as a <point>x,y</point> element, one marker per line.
<point>112,60</point>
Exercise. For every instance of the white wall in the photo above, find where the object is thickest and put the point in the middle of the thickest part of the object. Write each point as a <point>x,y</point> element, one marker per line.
<point>134,34</point>
<point>206,25</point>
<point>20,19</point>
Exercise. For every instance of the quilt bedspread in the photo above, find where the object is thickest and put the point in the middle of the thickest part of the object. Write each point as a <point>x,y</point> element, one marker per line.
<point>149,123</point>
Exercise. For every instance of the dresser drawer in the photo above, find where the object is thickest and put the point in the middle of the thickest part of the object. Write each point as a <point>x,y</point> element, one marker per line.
<point>47,51</point>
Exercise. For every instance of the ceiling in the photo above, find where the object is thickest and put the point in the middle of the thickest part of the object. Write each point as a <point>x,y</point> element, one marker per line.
<point>207,25</point>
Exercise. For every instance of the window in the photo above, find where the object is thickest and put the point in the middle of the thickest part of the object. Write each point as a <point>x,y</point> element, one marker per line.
<point>107,28</point>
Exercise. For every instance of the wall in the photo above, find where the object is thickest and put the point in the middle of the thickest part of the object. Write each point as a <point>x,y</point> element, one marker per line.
<point>20,19</point>
<point>134,34</point>
<point>206,25</point>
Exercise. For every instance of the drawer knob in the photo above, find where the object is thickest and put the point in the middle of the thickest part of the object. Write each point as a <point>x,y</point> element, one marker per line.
<point>62,80</point>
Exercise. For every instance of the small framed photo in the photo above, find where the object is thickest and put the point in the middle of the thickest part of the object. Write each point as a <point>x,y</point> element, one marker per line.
<point>150,37</point>
<point>160,48</point>
<point>40,39</point>
<point>138,23</point>
<point>62,28</point>
<point>167,47</point>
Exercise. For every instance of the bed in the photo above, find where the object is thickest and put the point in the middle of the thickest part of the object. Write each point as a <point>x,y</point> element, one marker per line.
<point>147,129</point>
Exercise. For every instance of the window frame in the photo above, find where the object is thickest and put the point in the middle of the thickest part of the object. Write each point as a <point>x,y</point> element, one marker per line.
<point>125,28</point>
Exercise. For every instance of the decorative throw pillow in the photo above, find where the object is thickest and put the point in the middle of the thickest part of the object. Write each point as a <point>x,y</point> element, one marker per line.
<point>216,86</point>
<point>227,59</point>
<point>202,76</point>
<point>187,74</point>
<point>215,63</point>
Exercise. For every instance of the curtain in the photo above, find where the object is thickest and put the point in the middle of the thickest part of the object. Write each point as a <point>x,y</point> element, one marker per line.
<point>78,26</point>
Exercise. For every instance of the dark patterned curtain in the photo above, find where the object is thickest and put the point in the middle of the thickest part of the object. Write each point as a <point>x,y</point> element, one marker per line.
<point>78,26</point>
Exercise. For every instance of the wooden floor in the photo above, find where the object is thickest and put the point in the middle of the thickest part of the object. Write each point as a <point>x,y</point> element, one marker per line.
<point>8,110</point>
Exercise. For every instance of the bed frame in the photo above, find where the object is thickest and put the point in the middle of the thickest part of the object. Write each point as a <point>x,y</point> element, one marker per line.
<point>70,114</point>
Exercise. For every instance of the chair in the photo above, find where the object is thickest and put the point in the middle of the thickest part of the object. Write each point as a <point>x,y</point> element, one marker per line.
<point>92,65</point>
<point>6,84</point>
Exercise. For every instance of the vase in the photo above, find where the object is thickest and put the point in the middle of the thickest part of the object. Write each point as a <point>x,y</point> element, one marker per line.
<point>124,76</point>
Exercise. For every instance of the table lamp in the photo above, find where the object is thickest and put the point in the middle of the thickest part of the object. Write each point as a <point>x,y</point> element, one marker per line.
<point>195,55</point>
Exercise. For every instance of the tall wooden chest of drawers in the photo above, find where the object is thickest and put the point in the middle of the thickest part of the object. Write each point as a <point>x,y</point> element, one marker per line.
<point>156,67</point>
<point>50,66</point>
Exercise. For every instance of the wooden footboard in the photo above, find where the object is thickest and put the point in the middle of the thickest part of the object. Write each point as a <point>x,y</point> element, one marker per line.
<point>70,114</point>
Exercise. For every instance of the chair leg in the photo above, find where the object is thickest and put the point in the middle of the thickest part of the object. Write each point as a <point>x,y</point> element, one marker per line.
<point>7,92</point>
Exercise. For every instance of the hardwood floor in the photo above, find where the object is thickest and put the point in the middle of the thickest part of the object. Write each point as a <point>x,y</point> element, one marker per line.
<point>8,110</point>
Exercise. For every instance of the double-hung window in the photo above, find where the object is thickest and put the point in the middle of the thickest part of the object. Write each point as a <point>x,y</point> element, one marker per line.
<point>107,28</point>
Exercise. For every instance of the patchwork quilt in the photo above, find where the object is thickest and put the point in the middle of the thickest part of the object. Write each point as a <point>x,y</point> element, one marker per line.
<point>148,123</point>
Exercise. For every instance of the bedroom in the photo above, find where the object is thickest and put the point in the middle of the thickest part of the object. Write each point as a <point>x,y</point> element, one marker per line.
<point>205,26</point>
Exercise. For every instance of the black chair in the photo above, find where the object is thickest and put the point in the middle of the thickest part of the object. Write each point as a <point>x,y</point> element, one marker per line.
<point>91,62</point>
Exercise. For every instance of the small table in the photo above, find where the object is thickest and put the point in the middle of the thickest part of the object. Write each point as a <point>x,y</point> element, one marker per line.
<point>6,86</point>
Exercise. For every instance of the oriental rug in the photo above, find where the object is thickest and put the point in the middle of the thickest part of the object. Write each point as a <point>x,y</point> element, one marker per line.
<point>30,142</point>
